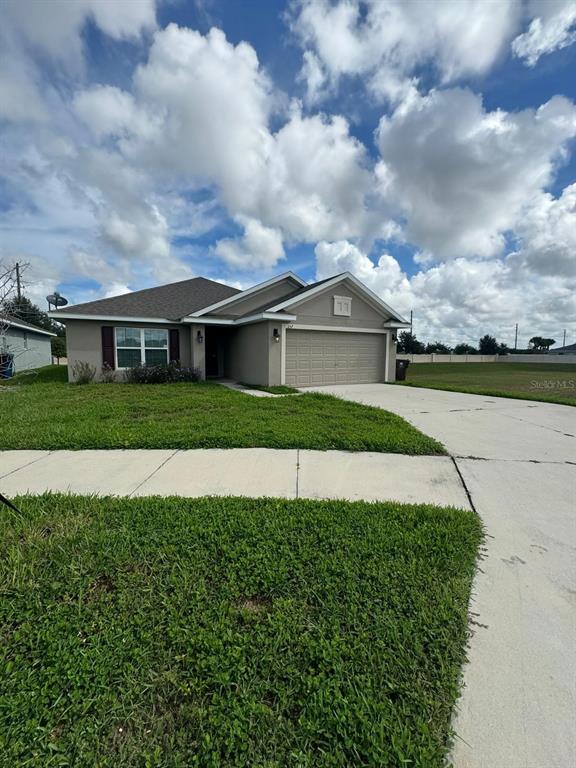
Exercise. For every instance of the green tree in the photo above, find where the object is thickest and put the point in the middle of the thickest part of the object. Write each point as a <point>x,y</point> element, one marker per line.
<point>437,348</point>
<point>409,344</point>
<point>540,342</point>
<point>58,344</point>
<point>25,310</point>
<point>465,349</point>
<point>488,345</point>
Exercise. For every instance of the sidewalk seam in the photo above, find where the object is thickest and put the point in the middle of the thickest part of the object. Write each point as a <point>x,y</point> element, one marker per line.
<point>298,473</point>
<point>466,491</point>
<point>48,453</point>
<point>156,469</point>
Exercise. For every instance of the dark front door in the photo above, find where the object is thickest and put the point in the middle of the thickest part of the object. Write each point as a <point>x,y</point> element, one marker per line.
<point>212,356</point>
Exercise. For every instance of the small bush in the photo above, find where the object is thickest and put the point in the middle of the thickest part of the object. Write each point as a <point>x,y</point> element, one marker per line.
<point>160,374</point>
<point>83,372</point>
<point>108,375</point>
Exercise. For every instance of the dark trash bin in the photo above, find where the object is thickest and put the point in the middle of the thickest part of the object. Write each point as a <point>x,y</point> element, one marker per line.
<point>401,368</point>
<point>6,366</point>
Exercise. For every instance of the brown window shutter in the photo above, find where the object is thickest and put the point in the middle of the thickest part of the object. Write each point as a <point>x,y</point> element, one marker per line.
<point>108,346</point>
<point>174,345</point>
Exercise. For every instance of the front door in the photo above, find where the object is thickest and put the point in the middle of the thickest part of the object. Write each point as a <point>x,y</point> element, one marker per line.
<point>212,356</point>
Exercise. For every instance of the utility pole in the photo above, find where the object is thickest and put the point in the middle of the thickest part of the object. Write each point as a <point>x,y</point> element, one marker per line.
<point>410,321</point>
<point>18,286</point>
<point>564,339</point>
<point>516,338</point>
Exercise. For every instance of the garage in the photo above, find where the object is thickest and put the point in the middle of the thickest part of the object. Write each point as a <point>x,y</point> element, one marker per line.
<point>314,358</point>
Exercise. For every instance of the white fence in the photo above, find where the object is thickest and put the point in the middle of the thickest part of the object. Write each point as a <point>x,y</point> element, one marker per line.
<point>564,359</point>
<point>435,358</point>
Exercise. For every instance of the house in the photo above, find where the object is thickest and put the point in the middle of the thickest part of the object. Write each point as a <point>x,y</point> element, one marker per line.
<point>282,331</point>
<point>570,349</point>
<point>25,345</point>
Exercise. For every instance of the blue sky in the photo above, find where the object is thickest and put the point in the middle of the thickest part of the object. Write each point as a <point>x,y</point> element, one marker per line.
<point>426,147</point>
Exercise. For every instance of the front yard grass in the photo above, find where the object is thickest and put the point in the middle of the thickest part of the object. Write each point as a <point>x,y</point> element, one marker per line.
<point>549,383</point>
<point>54,415</point>
<point>231,632</point>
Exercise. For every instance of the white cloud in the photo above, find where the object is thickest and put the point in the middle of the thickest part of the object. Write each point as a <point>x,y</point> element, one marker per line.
<point>107,110</point>
<point>461,300</point>
<point>309,179</point>
<point>388,40</point>
<point>55,26</point>
<point>552,27</point>
<point>101,188</point>
<point>547,234</point>
<point>460,176</point>
<point>259,248</point>
<point>314,76</point>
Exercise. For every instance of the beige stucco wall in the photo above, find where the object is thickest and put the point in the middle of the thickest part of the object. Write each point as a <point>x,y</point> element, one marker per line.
<point>84,341</point>
<point>320,310</point>
<point>252,356</point>
<point>197,350</point>
<point>391,355</point>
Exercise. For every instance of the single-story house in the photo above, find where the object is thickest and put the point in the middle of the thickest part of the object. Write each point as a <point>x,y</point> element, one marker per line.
<point>27,345</point>
<point>569,349</point>
<point>282,331</point>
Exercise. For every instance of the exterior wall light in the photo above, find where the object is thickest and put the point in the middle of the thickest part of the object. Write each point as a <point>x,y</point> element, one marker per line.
<point>276,335</point>
<point>199,337</point>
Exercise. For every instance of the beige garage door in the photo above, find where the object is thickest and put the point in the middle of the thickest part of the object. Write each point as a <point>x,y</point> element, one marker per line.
<point>331,357</point>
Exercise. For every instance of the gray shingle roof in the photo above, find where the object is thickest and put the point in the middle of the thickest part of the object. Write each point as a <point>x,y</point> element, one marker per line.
<point>11,320</point>
<point>171,301</point>
<point>568,349</point>
<point>293,294</point>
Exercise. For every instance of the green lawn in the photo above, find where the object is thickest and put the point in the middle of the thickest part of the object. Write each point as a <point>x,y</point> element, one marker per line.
<point>230,632</point>
<point>47,414</point>
<point>529,381</point>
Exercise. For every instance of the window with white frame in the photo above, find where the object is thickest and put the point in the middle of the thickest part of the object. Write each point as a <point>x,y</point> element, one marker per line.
<point>141,346</point>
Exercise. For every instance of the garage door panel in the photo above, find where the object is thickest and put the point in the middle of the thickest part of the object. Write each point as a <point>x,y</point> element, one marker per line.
<point>331,357</point>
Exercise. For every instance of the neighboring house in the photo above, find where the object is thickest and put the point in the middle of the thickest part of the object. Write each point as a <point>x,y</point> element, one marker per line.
<point>28,344</point>
<point>570,349</point>
<point>282,331</point>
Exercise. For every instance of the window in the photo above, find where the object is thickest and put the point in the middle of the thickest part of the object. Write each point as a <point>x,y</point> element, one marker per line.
<point>141,346</point>
<point>342,306</point>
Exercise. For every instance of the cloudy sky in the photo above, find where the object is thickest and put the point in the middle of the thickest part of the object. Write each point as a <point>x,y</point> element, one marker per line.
<point>427,147</point>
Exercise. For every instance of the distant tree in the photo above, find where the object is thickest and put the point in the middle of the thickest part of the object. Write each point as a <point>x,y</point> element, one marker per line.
<point>465,349</point>
<point>488,345</point>
<point>437,348</point>
<point>409,344</point>
<point>503,349</point>
<point>539,342</point>
<point>58,344</point>
<point>25,310</point>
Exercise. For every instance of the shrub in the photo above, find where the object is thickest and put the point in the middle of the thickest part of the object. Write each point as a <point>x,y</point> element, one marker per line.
<point>160,374</point>
<point>83,373</point>
<point>108,375</point>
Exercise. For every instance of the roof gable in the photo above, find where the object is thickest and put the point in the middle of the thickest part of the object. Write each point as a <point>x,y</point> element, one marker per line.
<point>323,285</point>
<point>248,301</point>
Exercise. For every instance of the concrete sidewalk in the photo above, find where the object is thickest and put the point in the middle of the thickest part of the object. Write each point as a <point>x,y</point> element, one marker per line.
<point>517,459</point>
<point>236,472</point>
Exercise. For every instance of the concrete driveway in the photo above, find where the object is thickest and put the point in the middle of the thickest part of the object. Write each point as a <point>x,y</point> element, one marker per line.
<point>517,460</point>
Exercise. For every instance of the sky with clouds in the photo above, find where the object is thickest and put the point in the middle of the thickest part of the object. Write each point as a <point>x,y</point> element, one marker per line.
<point>427,147</point>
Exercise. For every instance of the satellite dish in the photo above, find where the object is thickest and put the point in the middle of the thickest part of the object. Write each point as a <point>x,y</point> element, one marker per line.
<point>56,299</point>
